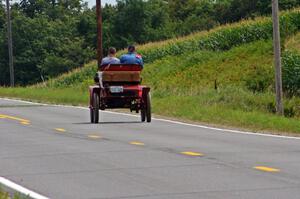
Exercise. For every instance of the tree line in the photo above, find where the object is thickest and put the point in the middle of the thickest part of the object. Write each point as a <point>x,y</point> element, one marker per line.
<point>51,37</point>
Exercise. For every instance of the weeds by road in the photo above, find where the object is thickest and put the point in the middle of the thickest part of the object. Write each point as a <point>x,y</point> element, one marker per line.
<point>5,195</point>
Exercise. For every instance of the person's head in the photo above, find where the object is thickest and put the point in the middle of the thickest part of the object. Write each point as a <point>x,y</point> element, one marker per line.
<point>112,51</point>
<point>131,49</point>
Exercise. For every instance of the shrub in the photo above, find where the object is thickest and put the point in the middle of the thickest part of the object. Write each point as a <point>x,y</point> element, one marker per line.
<point>291,73</point>
<point>259,79</point>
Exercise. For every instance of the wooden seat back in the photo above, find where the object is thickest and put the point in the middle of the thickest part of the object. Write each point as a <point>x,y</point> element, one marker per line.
<point>121,73</point>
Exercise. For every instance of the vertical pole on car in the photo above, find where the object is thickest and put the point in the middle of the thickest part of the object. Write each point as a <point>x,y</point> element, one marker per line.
<point>10,45</point>
<point>99,32</point>
<point>277,58</point>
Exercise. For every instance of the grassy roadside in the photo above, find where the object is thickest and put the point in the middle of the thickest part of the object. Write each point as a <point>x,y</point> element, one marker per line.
<point>5,195</point>
<point>189,108</point>
<point>70,96</point>
<point>218,115</point>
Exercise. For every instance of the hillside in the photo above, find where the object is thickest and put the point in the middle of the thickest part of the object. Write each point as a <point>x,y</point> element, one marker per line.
<point>221,77</point>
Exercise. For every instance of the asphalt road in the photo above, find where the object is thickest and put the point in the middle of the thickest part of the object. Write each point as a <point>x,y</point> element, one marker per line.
<point>56,152</point>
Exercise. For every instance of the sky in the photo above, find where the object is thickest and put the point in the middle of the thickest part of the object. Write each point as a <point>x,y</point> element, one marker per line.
<point>93,2</point>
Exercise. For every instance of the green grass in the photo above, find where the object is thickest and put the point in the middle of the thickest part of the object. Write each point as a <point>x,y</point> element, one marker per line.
<point>192,109</point>
<point>72,96</point>
<point>189,73</point>
<point>81,77</point>
<point>5,195</point>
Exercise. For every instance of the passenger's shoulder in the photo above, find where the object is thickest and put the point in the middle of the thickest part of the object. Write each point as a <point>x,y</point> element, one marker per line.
<point>138,56</point>
<point>124,55</point>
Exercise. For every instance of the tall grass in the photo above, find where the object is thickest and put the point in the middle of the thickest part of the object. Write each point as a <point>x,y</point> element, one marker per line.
<point>72,96</point>
<point>191,109</point>
<point>81,77</point>
<point>223,37</point>
<point>5,195</point>
<point>293,43</point>
<point>189,73</point>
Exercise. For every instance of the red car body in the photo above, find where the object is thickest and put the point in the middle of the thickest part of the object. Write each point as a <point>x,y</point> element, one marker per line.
<point>120,87</point>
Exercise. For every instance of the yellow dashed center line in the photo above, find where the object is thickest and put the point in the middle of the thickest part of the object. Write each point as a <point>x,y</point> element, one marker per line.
<point>94,136</point>
<point>189,153</point>
<point>266,169</point>
<point>138,143</point>
<point>60,130</point>
<point>2,116</point>
<point>25,123</point>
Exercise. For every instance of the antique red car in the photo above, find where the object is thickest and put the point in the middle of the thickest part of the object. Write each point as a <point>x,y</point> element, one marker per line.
<point>119,86</point>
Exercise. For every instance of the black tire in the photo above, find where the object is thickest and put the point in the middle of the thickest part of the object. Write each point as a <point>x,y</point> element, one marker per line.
<point>143,115</point>
<point>95,109</point>
<point>92,115</point>
<point>148,108</point>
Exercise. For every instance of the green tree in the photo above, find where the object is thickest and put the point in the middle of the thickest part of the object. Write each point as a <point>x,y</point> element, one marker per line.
<point>158,22</point>
<point>181,9</point>
<point>87,27</point>
<point>39,43</point>
<point>55,9</point>
<point>2,15</point>
<point>129,22</point>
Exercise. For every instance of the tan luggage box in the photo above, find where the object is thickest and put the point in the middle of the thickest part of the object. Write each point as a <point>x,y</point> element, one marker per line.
<point>121,76</point>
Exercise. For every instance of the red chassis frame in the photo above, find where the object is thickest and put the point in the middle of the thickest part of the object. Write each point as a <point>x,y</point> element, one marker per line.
<point>133,96</point>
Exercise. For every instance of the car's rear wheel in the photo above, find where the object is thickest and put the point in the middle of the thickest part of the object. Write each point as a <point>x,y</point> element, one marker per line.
<point>148,108</point>
<point>92,115</point>
<point>94,112</point>
<point>143,115</point>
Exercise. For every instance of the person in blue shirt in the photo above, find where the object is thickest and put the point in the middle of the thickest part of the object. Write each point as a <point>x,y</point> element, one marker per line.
<point>111,57</point>
<point>132,57</point>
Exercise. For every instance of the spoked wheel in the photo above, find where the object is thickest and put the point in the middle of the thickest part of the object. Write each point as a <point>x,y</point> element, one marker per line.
<point>94,112</point>
<point>143,115</point>
<point>148,108</point>
<point>92,115</point>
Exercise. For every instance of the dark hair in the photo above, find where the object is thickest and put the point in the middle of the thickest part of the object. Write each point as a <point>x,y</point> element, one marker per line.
<point>131,48</point>
<point>112,51</point>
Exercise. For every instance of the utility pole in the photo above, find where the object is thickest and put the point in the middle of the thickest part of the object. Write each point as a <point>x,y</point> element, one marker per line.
<point>99,32</point>
<point>10,46</point>
<point>277,58</point>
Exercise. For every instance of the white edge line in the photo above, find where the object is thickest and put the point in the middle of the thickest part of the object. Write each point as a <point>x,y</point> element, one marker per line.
<point>20,189</point>
<point>166,120</point>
